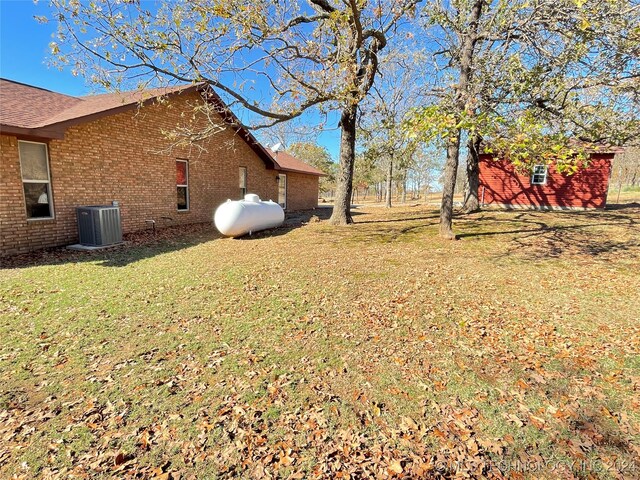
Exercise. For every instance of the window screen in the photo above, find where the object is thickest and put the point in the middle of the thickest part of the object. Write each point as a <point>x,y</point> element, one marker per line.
<point>182,184</point>
<point>36,182</point>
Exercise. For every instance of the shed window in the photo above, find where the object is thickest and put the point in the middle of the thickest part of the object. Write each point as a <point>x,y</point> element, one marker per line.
<point>243,181</point>
<point>539,176</point>
<point>36,180</point>
<point>182,184</point>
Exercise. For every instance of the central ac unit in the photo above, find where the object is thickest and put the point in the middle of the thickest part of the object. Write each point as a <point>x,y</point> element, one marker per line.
<point>99,225</point>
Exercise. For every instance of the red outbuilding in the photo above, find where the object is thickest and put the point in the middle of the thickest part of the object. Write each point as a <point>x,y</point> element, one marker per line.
<point>501,185</point>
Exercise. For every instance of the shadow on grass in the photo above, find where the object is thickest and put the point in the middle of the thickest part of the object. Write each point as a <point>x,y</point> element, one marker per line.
<point>295,220</point>
<point>385,225</point>
<point>137,246</point>
<point>436,214</point>
<point>540,235</point>
<point>623,206</point>
<point>147,244</point>
<point>532,234</point>
<point>292,221</point>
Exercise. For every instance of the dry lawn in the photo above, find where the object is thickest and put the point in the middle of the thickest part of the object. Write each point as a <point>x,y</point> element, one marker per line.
<point>370,351</point>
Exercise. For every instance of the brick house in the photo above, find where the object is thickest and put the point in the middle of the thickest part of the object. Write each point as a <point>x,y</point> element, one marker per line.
<point>58,152</point>
<point>501,185</point>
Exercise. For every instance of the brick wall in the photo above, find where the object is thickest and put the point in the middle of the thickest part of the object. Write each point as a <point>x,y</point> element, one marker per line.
<point>125,157</point>
<point>302,191</point>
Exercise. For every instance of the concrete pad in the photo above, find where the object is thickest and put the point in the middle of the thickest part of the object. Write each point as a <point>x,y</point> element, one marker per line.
<point>90,248</point>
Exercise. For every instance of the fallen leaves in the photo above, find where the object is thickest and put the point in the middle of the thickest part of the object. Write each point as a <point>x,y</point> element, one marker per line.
<point>367,354</point>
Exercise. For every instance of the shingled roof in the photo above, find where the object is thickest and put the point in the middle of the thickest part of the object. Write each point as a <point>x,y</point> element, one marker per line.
<point>24,106</point>
<point>289,163</point>
<point>37,112</point>
<point>30,110</point>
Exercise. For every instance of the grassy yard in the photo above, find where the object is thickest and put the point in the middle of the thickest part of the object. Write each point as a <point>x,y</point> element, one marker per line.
<point>370,351</point>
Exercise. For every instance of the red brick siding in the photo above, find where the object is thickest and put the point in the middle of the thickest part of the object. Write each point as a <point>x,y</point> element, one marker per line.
<point>124,157</point>
<point>302,191</point>
<point>500,184</point>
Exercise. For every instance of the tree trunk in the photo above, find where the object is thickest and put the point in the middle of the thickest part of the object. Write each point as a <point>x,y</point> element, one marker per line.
<point>449,186</point>
<point>341,206</point>
<point>471,203</point>
<point>469,39</point>
<point>389,180</point>
<point>404,187</point>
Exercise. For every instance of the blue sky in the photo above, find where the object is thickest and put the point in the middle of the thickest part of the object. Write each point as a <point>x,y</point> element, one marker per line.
<point>24,50</point>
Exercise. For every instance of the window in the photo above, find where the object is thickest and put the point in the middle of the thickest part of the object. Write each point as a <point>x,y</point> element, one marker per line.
<point>243,181</point>
<point>282,190</point>
<point>182,184</point>
<point>36,181</point>
<point>539,176</point>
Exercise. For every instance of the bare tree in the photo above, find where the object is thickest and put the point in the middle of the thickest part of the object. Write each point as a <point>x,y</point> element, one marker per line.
<point>625,171</point>
<point>272,60</point>
<point>392,98</point>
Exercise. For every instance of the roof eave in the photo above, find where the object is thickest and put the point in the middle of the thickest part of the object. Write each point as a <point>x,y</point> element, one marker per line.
<point>49,133</point>
<point>305,172</point>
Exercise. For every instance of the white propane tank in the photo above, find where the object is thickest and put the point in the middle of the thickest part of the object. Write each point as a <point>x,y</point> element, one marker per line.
<point>235,218</point>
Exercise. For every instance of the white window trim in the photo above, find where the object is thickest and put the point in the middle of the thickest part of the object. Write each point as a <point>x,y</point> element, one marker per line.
<point>246,175</point>
<point>186,186</point>
<point>544,178</point>
<point>48,182</point>
<point>286,187</point>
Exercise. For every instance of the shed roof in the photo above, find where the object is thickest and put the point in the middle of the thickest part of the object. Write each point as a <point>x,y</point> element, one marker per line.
<point>590,147</point>
<point>598,147</point>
